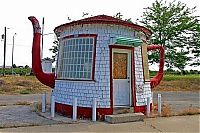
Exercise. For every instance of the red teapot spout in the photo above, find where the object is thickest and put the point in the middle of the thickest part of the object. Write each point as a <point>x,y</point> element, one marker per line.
<point>45,78</point>
<point>156,80</point>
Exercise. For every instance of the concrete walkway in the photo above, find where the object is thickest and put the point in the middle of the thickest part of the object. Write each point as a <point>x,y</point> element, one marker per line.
<point>18,115</point>
<point>160,124</point>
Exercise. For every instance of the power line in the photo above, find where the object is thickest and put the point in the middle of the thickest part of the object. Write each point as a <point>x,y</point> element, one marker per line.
<point>21,45</point>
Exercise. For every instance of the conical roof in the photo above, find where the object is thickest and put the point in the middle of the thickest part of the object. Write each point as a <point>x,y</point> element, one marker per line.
<point>104,19</point>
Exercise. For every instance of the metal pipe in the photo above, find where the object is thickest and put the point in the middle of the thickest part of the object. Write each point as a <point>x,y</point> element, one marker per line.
<point>94,109</point>
<point>44,103</point>
<point>75,109</point>
<point>159,104</point>
<point>52,106</point>
<point>148,106</point>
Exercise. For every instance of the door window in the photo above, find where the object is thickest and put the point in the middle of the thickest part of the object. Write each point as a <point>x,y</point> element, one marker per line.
<point>120,61</point>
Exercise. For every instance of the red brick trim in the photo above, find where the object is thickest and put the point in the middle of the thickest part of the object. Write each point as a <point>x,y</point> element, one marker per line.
<point>82,112</point>
<point>142,109</point>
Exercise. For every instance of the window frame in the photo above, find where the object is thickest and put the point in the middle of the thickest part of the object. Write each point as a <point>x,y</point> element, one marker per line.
<point>94,36</point>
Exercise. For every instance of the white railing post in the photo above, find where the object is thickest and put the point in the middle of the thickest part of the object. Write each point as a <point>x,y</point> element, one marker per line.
<point>94,109</point>
<point>159,104</point>
<point>44,103</point>
<point>75,109</point>
<point>152,100</point>
<point>52,106</point>
<point>148,106</point>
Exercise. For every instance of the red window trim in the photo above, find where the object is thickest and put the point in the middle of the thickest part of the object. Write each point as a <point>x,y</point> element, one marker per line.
<point>79,35</point>
<point>94,54</point>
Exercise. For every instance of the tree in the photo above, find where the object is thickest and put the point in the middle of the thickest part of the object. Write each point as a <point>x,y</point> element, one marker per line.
<point>54,49</point>
<point>118,15</point>
<point>181,59</point>
<point>26,67</point>
<point>196,48</point>
<point>14,66</point>
<point>175,27</point>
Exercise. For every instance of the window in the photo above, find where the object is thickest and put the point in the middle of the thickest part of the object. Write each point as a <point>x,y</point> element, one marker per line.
<point>76,58</point>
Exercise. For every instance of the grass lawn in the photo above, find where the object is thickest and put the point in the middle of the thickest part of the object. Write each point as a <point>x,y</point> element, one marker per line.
<point>181,77</point>
<point>21,85</point>
<point>179,83</point>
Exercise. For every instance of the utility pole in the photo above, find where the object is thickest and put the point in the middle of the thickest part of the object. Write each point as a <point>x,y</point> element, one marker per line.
<point>4,59</point>
<point>42,36</point>
<point>13,50</point>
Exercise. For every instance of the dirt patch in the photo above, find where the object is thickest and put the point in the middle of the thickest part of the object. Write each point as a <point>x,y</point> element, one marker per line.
<point>190,111</point>
<point>24,83</point>
<point>21,85</point>
<point>166,111</point>
<point>179,85</point>
<point>22,103</point>
<point>1,82</point>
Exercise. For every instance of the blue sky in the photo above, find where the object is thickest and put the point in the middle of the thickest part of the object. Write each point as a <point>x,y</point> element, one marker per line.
<point>14,14</point>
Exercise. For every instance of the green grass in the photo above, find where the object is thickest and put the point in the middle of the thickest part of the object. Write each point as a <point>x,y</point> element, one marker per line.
<point>181,77</point>
<point>20,71</point>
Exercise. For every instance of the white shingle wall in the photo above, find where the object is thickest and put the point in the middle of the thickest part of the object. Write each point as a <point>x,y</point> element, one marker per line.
<point>85,91</point>
<point>142,88</point>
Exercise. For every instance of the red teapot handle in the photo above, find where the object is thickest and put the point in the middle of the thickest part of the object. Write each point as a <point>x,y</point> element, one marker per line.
<point>156,80</point>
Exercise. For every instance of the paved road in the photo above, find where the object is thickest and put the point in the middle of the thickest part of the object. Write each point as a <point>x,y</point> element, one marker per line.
<point>161,124</point>
<point>179,100</point>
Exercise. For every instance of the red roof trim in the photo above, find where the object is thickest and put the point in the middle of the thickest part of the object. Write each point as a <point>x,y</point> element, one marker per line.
<point>103,19</point>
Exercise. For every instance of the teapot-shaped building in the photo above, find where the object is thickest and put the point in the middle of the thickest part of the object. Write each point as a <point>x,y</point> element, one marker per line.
<point>102,58</point>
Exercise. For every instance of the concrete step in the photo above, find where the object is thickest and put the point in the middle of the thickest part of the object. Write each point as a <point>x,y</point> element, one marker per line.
<point>122,110</point>
<point>122,118</point>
